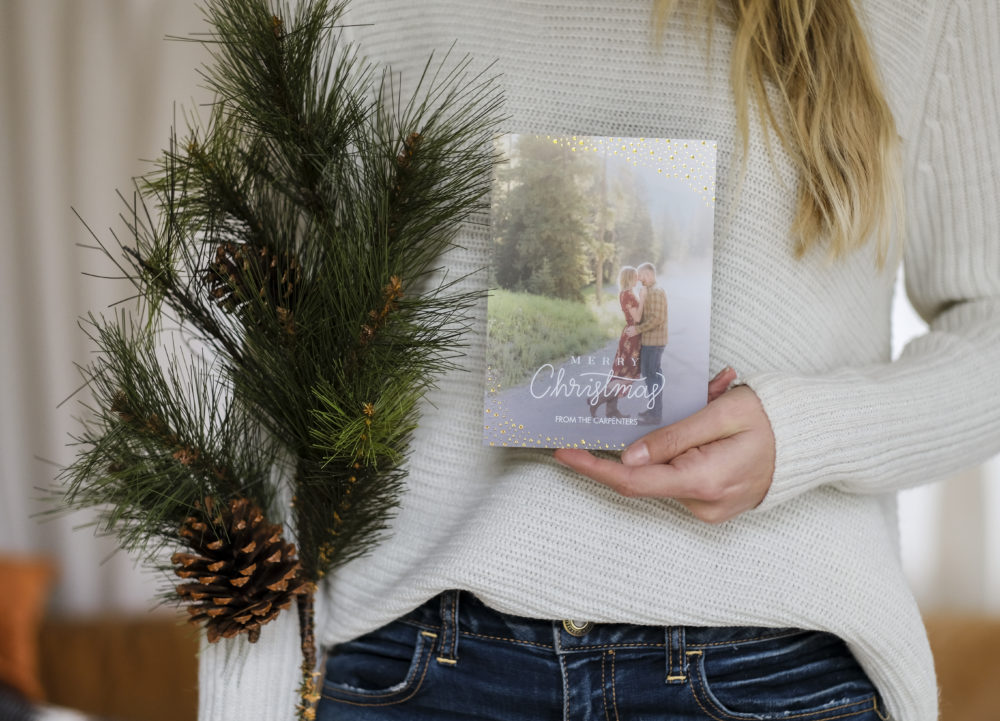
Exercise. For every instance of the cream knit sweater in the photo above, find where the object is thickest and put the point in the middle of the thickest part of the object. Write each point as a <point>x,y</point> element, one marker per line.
<point>811,337</point>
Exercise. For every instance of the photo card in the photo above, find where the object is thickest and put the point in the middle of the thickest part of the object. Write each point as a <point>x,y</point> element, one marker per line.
<point>601,281</point>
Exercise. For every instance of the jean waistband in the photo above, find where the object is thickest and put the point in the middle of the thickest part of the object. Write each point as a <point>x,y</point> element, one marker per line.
<point>460,613</point>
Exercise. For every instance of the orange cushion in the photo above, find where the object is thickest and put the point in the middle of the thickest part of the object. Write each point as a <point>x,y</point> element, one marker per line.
<point>25,586</point>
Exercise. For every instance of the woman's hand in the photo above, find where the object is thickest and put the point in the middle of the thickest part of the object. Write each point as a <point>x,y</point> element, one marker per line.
<point>717,462</point>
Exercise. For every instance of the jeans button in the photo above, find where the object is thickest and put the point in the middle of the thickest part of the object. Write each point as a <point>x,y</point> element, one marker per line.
<point>577,628</point>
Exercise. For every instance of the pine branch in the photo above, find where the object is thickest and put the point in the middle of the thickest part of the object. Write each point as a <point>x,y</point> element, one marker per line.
<point>155,448</point>
<point>298,234</point>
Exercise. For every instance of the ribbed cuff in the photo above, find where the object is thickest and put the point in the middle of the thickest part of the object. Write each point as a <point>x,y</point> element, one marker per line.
<point>812,419</point>
<point>881,428</point>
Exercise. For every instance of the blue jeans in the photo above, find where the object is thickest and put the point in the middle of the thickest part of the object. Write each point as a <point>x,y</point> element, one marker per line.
<point>454,659</point>
<point>650,367</point>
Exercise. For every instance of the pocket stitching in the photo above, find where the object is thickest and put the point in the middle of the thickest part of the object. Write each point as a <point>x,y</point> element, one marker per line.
<point>504,638</point>
<point>699,679</point>
<point>423,655</point>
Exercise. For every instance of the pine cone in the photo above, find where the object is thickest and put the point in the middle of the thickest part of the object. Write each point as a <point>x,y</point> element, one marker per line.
<point>242,572</point>
<point>242,271</point>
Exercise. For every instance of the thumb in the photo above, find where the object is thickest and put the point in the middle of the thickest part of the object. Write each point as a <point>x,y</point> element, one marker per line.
<point>665,444</point>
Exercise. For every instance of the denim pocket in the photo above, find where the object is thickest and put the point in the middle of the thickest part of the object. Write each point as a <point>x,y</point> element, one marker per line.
<point>800,675</point>
<point>384,667</point>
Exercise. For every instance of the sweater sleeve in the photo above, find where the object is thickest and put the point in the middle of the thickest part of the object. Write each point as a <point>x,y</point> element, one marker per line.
<point>935,409</point>
<point>238,680</point>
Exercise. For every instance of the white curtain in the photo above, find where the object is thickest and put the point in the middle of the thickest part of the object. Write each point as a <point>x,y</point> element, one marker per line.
<point>88,88</point>
<point>951,550</point>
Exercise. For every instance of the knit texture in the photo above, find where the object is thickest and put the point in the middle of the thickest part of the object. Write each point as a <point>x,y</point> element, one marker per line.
<point>810,336</point>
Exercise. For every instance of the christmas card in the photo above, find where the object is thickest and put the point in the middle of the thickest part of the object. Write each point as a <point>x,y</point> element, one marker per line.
<point>598,314</point>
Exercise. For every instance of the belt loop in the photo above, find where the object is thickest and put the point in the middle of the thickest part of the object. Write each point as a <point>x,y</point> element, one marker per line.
<point>448,649</point>
<point>677,660</point>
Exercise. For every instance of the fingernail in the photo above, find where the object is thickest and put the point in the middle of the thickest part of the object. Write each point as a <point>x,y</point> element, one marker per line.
<point>636,455</point>
<point>724,371</point>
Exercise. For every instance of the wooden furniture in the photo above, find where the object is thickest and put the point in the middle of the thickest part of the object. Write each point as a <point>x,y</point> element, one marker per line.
<point>139,668</point>
<point>967,657</point>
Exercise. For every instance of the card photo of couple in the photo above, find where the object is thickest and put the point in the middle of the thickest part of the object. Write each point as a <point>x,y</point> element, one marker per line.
<point>600,289</point>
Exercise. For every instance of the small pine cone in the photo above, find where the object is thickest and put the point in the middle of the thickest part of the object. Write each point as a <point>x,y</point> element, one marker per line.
<point>241,573</point>
<point>242,271</point>
<point>410,146</point>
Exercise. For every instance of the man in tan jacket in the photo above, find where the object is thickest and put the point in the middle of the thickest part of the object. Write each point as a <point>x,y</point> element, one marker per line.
<point>653,327</point>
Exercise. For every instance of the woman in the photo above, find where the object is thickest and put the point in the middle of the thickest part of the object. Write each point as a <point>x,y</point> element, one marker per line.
<point>625,366</point>
<point>741,563</point>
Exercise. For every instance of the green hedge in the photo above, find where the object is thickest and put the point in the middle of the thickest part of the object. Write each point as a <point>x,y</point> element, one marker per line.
<point>527,331</point>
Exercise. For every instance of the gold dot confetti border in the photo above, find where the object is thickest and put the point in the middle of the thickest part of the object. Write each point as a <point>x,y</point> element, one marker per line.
<point>691,162</point>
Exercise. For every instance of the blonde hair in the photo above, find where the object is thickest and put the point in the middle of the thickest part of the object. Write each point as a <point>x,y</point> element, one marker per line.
<point>830,114</point>
<point>627,277</point>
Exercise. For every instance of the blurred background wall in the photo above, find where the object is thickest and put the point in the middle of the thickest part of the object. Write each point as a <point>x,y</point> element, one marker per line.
<point>89,88</point>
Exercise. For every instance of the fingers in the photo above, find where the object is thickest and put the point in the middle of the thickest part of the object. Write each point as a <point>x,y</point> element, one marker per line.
<point>725,416</point>
<point>708,481</point>
<point>713,422</point>
<point>728,482</point>
<point>718,385</point>
<point>718,462</point>
<point>660,481</point>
